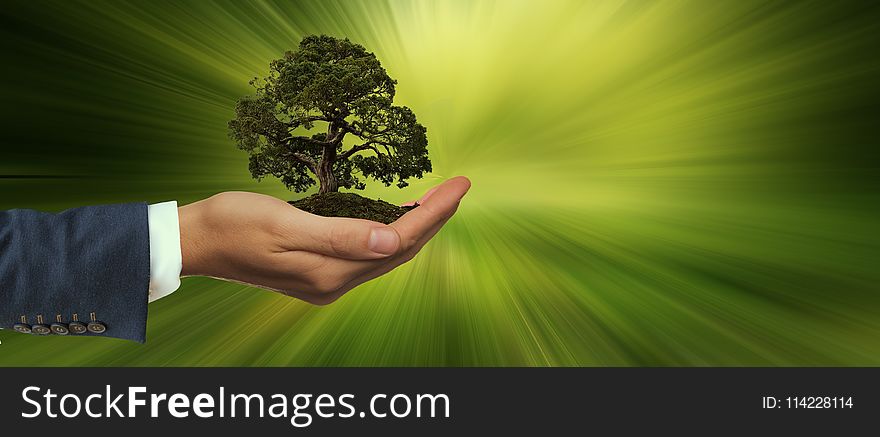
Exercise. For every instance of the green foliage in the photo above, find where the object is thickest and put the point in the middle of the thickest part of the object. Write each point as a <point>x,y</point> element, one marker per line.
<point>340,88</point>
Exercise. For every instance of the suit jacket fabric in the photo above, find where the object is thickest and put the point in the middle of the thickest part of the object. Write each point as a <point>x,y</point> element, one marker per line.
<point>81,261</point>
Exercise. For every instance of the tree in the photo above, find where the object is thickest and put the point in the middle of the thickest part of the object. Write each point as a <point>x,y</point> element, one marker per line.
<point>339,89</point>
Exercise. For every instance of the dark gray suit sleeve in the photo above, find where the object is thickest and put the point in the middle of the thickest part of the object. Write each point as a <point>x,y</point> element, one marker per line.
<point>81,264</point>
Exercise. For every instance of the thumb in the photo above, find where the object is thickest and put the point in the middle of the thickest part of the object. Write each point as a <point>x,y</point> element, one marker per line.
<point>346,238</point>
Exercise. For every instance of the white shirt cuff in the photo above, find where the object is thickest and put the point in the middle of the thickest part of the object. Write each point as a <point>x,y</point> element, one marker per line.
<point>166,260</point>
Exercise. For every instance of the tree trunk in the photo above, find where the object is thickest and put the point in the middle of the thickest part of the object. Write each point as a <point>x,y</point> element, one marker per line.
<point>326,179</point>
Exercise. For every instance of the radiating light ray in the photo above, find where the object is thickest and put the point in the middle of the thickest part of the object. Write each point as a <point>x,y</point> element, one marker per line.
<point>654,183</point>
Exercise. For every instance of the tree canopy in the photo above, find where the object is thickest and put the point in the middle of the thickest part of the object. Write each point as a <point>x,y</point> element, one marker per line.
<point>313,98</point>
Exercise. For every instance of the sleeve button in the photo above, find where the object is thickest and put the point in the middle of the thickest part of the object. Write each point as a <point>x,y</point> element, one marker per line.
<point>96,327</point>
<point>77,327</point>
<point>40,329</point>
<point>59,329</point>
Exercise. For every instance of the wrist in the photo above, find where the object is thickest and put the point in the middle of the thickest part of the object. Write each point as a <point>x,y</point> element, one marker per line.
<point>192,244</point>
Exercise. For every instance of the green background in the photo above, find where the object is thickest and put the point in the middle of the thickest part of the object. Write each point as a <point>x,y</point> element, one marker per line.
<point>654,183</point>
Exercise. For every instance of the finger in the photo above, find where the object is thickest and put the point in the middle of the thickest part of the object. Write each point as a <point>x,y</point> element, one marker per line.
<point>422,199</point>
<point>367,271</point>
<point>346,238</point>
<point>374,271</point>
<point>439,206</point>
<point>378,267</point>
<point>363,271</point>
<point>429,193</point>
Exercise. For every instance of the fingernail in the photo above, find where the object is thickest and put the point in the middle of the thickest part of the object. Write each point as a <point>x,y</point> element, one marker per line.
<point>384,241</point>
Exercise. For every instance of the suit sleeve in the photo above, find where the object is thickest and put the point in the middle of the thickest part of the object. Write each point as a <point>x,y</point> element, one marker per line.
<point>86,264</point>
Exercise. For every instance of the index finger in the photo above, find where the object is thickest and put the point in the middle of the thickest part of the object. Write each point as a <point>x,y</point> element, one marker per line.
<point>437,208</point>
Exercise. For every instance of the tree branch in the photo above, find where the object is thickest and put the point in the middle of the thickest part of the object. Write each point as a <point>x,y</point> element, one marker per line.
<point>297,122</point>
<point>346,127</point>
<point>365,146</point>
<point>309,140</point>
<point>308,161</point>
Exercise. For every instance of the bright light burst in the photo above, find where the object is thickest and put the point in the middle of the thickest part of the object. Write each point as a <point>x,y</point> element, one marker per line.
<point>654,183</point>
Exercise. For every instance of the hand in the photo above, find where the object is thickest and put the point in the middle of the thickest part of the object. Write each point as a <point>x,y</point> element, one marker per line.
<point>266,242</point>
